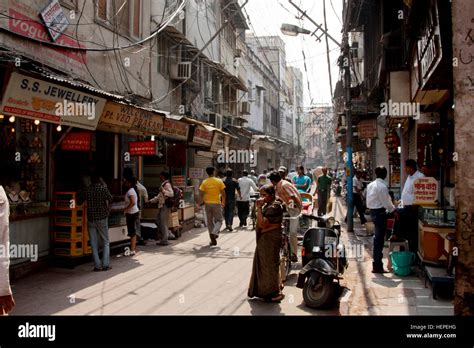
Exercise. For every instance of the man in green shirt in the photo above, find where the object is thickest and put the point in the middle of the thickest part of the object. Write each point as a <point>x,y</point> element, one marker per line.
<point>324,187</point>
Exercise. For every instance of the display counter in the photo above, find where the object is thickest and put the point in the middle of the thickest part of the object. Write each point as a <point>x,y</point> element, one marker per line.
<point>435,225</point>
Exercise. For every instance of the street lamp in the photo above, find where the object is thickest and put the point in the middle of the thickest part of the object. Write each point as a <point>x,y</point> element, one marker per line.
<point>293,30</point>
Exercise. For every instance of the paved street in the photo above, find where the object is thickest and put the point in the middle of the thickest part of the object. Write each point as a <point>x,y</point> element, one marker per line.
<point>186,278</point>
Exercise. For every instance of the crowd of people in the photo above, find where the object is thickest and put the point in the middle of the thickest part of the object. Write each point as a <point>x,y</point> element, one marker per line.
<point>280,194</point>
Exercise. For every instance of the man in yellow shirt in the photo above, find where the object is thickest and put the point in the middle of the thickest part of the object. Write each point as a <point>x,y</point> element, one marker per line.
<point>212,194</point>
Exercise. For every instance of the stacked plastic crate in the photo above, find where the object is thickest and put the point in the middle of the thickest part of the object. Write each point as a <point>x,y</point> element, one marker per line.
<point>69,227</point>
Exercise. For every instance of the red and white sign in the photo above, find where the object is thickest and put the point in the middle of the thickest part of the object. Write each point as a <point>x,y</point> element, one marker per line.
<point>175,129</point>
<point>54,19</point>
<point>179,180</point>
<point>77,142</point>
<point>367,129</point>
<point>202,136</point>
<point>426,191</point>
<point>142,148</point>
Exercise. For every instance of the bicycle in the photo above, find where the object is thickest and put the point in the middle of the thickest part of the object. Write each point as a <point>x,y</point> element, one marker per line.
<point>285,249</point>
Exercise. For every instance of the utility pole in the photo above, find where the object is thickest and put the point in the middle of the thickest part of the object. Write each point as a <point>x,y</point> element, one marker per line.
<point>348,109</point>
<point>345,63</point>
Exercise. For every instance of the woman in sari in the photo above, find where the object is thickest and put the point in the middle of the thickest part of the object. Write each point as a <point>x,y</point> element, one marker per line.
<point>265,281</point>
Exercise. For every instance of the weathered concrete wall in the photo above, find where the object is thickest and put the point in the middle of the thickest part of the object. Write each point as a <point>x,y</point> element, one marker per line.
<point>463,53</point>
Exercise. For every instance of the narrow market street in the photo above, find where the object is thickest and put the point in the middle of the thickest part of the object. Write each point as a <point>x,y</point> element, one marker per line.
<point>188,277</point>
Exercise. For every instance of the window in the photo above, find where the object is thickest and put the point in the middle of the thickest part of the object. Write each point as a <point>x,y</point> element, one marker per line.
<point>124,14</point>
<point>70,4</point>
<point>250,88</point>
<point>163,55</point>
<point>259,96</point>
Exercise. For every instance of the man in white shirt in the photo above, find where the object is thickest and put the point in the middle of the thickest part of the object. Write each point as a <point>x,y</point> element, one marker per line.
<point>6,299</point>
<point>357,188</point>
<point>407,227</point>
<point>379,202</point>
<point>253,176</point>
<point>246,185</point>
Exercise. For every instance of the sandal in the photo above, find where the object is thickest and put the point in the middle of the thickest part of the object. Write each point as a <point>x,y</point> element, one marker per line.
<point>277,299</point>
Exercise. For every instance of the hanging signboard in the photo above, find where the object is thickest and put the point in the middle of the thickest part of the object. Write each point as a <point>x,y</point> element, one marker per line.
<point>54,19</point>
<point>142,148</point>
<point>426,191</point>
<point>77,142</point>
<point>367,129</point>
<point>37,99</point>
<point>218,142</point>
<point>124,118</point>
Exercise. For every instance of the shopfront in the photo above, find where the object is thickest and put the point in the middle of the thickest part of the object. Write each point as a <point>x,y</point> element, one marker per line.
<point>32,119</point>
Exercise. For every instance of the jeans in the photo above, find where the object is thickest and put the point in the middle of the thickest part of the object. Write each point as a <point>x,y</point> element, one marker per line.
<point>214,218</point>
<point>163,218</point>
<point>99,233</point>
<point>407,226</point>
<point>229,212</point>
<point>379,217</point>
<point>243,208</point>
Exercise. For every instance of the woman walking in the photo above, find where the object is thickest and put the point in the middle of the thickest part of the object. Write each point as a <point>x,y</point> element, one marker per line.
<point>265,281</point>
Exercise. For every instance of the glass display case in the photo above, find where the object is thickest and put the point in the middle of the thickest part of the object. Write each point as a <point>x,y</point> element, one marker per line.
<point>188,196</point>
<point>28,210</point>
<point>435,216</point>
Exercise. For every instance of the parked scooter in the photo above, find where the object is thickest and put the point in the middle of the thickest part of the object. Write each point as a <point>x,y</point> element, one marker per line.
<point>324,261</point>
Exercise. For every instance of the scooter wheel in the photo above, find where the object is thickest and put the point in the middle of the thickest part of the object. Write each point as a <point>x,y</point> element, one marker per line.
<point>318,290</point>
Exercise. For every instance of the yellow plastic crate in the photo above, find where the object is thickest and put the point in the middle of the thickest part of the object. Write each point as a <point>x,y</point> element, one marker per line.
<point>68,233</point>
<point>87,243</point>
<point>70,249</point>
<point>69,216</point>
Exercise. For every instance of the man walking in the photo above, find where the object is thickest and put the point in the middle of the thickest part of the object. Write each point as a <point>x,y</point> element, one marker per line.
<point>379,202</point>
<point>231,185</point>
<point>6,298</point>
<point>324,187</point>
<point>166,191</point>
<point>98,199</point>
<point>253,176</point>
<point>212,194</point>
<point>246,184</point>
<point>357,202</point>
<point>289,195</point>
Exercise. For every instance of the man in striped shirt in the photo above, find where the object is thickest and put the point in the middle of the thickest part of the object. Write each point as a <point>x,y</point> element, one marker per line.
<point>290,196</point>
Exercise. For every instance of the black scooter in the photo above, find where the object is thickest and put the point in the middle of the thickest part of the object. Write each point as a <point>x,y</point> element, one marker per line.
<point>324,261</point>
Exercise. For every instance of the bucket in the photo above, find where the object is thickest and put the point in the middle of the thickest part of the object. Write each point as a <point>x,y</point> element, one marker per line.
<point>402,262</point>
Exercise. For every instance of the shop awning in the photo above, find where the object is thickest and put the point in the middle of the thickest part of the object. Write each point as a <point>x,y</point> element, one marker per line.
<point>242,137</point>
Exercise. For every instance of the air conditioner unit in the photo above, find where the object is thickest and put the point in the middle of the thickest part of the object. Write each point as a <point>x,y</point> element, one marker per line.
<point>216,120</point>
<point>181,71</point>
<point>245,108</point>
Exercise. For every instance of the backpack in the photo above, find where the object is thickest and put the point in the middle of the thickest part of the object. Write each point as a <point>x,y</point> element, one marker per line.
<point>173,202</point>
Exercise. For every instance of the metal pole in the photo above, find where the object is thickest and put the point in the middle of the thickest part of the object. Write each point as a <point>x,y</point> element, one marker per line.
<point>348,106</point>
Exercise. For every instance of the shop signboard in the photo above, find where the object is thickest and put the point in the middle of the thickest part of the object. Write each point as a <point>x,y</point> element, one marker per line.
<point>23,20</point>
<point>142,148</point>
<point>54,19</point>
<point>426,191</point>
<point>218,142</point>
<point>178,180</point>
<point>36,99</point>
<point>196,173</point>
<point>175,129</point>
<point>202,136</point>
<point>367,129</point>
<point>77,142</point>
<point>128,119</point>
